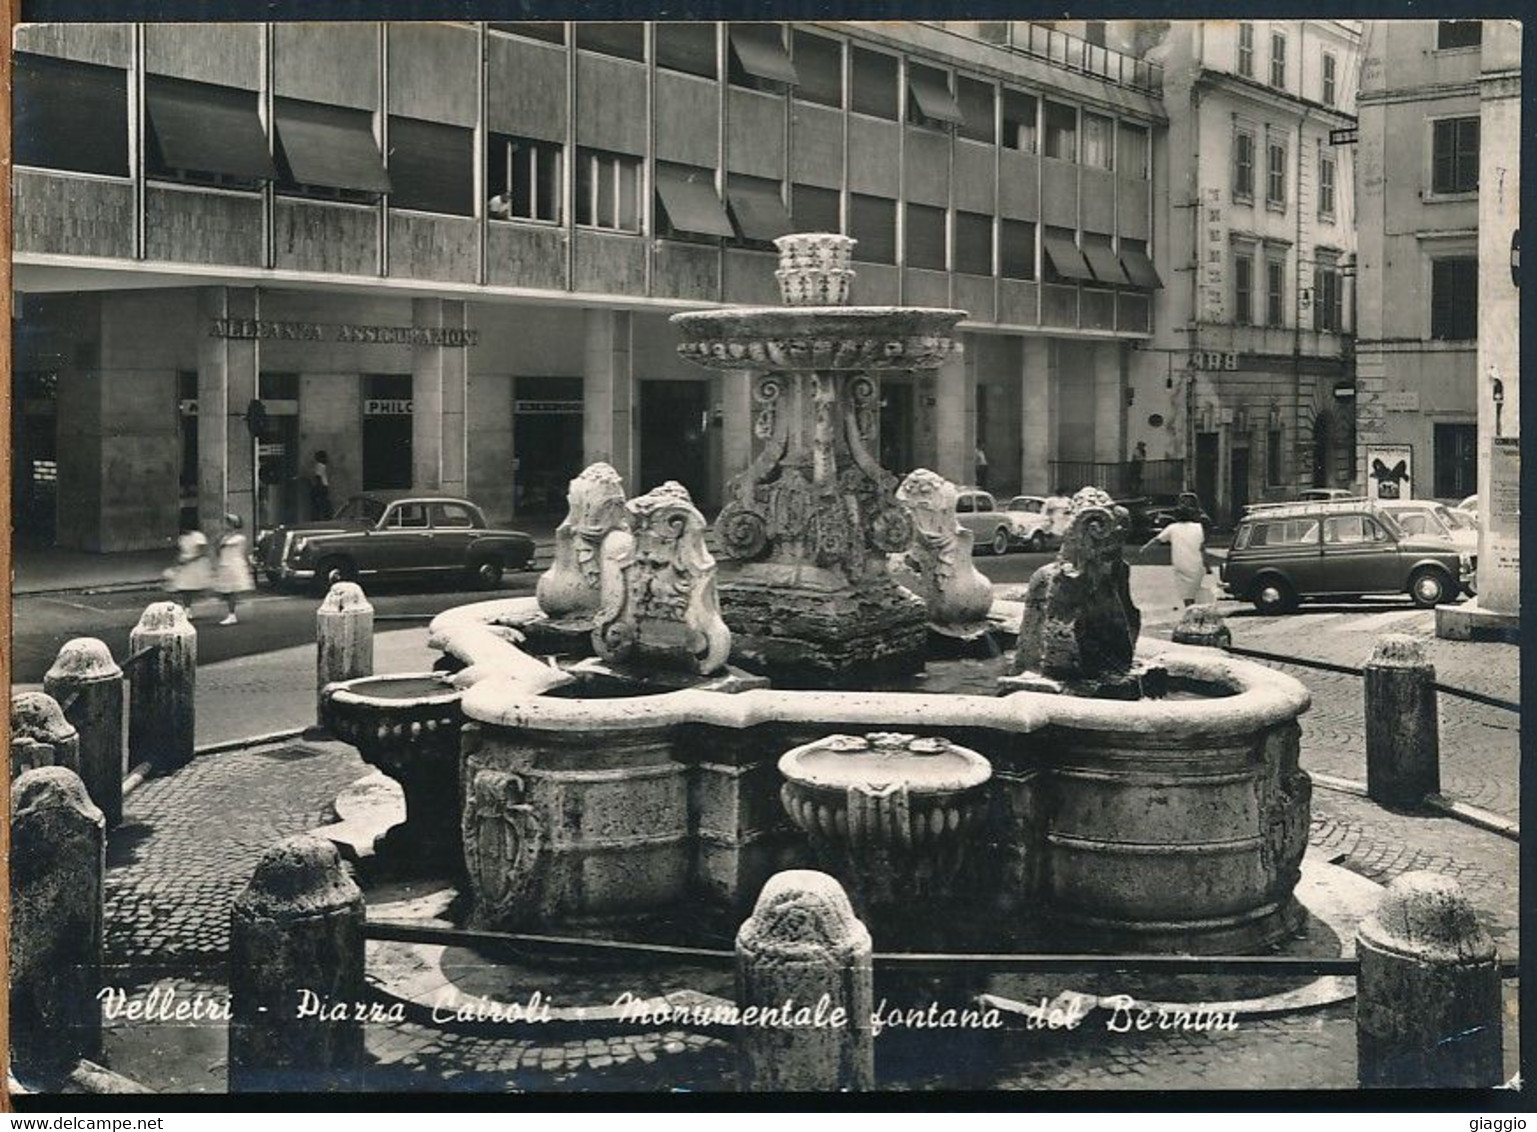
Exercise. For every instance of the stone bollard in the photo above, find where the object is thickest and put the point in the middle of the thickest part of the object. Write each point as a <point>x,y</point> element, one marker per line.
<point>802,949</point>
<point>344,638</point>
<point>85,676</point>
<point>161,713</point>
<point>296,971</point>
<point>40,735</point>
<point>1203,625</point>
<point>58,858</point>
<point>1428,1006</point>
<point>1403,749</point>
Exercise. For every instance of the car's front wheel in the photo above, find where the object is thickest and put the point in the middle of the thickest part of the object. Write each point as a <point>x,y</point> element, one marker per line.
<point>1274,595</point>
<point>1429,587</point>
<point>1038,541</point>
<point>487,573</point>
<point>1000,543</point>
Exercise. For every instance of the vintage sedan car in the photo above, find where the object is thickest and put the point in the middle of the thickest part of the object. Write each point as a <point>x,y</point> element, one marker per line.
<point>375,535</point>
<point>994,530</point>
<point>1052,513</point>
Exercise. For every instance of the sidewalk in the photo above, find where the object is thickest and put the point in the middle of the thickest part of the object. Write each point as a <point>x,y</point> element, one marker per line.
<point>47,569</point>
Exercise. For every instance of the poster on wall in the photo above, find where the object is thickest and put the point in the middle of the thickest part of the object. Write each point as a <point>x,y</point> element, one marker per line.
<point>1390,471</point>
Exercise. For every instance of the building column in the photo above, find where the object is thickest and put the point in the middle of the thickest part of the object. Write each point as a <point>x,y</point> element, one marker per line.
<point>227,371</point>
<point>438,387</point>
<point>1037,415</point>
<point>735,390</point>
<point>955,418</point>
<point>1109,404</point>
<point>608,393</point>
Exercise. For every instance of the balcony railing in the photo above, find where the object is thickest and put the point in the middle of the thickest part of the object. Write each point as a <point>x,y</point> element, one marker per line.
<point>1122,480</point>
<point>1063,49</point>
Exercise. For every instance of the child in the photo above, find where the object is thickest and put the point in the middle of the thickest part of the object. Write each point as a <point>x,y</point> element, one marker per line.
<point>192,576</point>
<point>233,572</point>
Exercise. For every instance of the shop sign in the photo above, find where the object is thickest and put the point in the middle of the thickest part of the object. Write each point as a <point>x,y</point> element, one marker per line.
<point>1389,471</point>
<point>1403,401</point>
<point>346,332</point>
<point>1211,360</point>
<point>387,407</point>
<point>548,408</point>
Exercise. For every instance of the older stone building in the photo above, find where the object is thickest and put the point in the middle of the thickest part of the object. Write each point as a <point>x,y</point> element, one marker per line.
<point>445,254</point>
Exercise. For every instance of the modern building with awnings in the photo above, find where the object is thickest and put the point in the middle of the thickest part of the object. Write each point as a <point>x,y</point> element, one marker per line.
<point>445,254</point>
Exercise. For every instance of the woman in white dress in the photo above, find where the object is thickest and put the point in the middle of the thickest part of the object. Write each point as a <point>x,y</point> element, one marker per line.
<point>192,576</point>
<point>232,573</point>
<point>1187,552</point>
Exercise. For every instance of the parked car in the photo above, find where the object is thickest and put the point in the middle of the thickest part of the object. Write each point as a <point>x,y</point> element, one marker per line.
<point>1470,507</point>
<point>1324,494</point>
<point>1435,520</point>
<point>1050,511</point>
<point>374,535</point>
<point>1285,552</point>
<point>994,530</point>
<point>1146,515</point>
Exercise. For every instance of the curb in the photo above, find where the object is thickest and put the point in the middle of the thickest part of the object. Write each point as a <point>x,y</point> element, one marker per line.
<point>1439,803</point>
<point>145,770</point>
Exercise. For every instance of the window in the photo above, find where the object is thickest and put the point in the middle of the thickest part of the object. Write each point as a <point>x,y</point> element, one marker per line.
<point>1329,66</point>
<point>451,515</point>
<point>607,190</point>
<point>1452,34</point>
<point>1243,289</point>
<point>1065,262</point>
<point>205,134</point>
<point>1350,529</point>
<point>1290,532</point>
<point>1455,448</point>
<point>976,102</point>
<point>818,68</point>
<point>432,166</point>
<point>1134,151</point>
<point>70,116</point>
<point>408,516</point>
<point>1098,141</point>
<point>1017,249</point>
<point>1275,174</point>
<point>622,41</point>
<point>758,59</point>
<point>1454,299</point>
<point>1328,295</point>
<point>929,101</point>
<point>1246,50</point>
<point>1061,132</point>
<point>687,206</point>
<point>1273,456</point>
<point>1325,186</point>
<point>925,237</point>
<point>1139,267</point>
<point>1277,59</point>
<point>328,152</point>
<point>1275,294</point>
<point>1454,156</point>
<point>686,47</point>
<point>523,178</point>
<point>974,243</point>
<point>873,222</point>
<point>1103,261</point>
<point>758,209</point>
<point>548,32</point>
<point>814,209</point>
<point>1019,119</point>
<point>1243,165</point>
<point>874,83</point>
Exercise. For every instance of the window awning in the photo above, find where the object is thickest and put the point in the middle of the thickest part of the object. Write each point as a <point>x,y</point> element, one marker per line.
<point>1140,268</point>
<point>759,212</point>
<point>202,128</point>
<point>1066,258</point>
<point>330,147</point>
<point>762,54</point>
<point>934,97</point>
<point>1102,261</point>
<point>692,205</point>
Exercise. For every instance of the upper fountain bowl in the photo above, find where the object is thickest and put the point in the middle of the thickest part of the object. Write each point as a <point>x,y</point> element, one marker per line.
<point>819,338</point>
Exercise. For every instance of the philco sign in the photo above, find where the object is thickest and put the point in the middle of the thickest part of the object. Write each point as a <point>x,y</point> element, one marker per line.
<point>258,328</point>
<point>387,407</point>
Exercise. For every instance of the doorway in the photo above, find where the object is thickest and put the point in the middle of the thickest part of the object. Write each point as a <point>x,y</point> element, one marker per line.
<point>546,442</point>
<point>35,445</point>
<point>897,428</point>
<point>674,437</point>
<point>1238,487</point>
<point>387,432</point>
<point>1206,469</point>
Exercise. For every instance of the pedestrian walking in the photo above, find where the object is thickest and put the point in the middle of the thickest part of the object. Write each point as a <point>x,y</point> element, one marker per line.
<point>1138,458</point>
<point>320,487</point>
<point>192,576</point>
<point>232,574</point>
<point>1186,538</point>
<point>981,468</point>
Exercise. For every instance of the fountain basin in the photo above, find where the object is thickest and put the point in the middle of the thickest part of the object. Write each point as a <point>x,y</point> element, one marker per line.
<point>852,339</point>
<point>1173,824</point>
<point>407,725</point>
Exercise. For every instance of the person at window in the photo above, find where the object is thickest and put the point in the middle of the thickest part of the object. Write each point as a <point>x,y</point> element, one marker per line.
<point>500,206</point>
<point>320,487</point>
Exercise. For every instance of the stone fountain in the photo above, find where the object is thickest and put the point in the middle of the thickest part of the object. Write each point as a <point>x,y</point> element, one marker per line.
<point>808,593</point>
